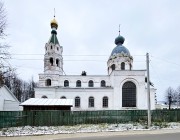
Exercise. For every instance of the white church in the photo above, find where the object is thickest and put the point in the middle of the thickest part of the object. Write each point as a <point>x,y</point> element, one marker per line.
<point>122,88</point>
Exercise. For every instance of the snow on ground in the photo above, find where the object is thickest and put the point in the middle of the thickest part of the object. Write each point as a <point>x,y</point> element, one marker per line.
<point>85,128</point>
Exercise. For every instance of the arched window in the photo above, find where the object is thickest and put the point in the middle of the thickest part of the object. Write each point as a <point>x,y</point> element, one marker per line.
<point>57,48</point>
<point>78,83</point>
<point>66,83</point>
<point>44,96</point>
<point>77,102</point>
<point>48,82</point>
<point>122,66</point>
<point>51,47</point>
<point>57,62</point>
<point>113,66</point>
<point>91,83</point>
<point>63,97</point>
<point>129,94</point>
<point>51,61</point>
<point>91,101</point>
<point>105,101</point>
<point>103,83</point>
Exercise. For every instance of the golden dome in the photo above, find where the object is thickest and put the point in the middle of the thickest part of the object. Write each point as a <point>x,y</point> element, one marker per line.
<point>54,23</point>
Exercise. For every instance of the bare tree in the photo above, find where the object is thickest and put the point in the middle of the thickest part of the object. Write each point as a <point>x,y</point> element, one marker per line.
<point>3,20</point>
<point>32,85</point>
<point>28,89</point>
<point>21,89</point>
<point>178,96</point>
<point>170,96</point>
<point>4,54</point>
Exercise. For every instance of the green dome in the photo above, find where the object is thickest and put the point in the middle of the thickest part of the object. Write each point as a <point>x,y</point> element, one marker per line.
<point>119,40</point>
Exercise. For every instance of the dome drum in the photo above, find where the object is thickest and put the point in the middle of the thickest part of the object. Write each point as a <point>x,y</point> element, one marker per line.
<point>120,58</point>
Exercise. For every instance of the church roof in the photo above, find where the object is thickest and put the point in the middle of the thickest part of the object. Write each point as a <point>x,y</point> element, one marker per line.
<point>53,39</point>
<point>120,48</point>
<point>54,25</point>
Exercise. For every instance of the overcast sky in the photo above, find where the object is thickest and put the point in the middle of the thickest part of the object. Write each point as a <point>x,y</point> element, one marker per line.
<point>89,27</point>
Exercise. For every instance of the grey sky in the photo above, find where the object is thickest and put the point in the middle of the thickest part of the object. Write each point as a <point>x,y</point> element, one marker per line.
<point>89,27</point>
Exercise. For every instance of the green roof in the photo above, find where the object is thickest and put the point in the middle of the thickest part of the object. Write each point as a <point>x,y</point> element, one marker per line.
<point>54,39</point>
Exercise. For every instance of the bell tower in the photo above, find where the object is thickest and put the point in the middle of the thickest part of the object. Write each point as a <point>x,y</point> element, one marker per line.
<point>53,60</point>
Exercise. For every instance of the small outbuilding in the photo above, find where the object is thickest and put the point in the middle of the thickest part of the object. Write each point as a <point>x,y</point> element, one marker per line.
<point>47,104</point>
<point>8,101</point>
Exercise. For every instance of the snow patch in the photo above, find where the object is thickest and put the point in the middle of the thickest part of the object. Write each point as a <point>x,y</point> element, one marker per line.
<point>85,128</point>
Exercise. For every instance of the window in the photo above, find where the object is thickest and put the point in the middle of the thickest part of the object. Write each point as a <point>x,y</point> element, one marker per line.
<point>78,83</point>
<point>57,49</point>
<point>51,61</point>
<point>105,101</point>
<point>57,62</point>
<point>113,67</point>
<point>46,48</point>
<point>91,83</point>
<point>44,96</point>
<point>63,97</point>
<point>122,66</point>
<point>77,102</point>
<point>91,101</point>
<point>103,83</point>
<point>129,94</point>
<point>48,82</point>
<point>66,83</point>
<point>51,47</point>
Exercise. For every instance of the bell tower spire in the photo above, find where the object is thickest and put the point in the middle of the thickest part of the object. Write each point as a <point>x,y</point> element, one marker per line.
<point>53,60</point>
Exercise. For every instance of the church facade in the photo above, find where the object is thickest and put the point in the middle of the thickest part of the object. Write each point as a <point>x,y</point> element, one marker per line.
<point>122,88</point>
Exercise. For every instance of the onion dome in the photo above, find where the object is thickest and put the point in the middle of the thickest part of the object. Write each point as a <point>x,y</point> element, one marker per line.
<point>119,40</point>
<point>120,49</point>
<point>54,23</point>
<point>53,39</point>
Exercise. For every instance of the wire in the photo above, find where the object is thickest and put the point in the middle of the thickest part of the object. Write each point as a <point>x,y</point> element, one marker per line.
<point>67,60</point>
<point>164,60</point>
<point>162,79</point>
<point>75,54</point>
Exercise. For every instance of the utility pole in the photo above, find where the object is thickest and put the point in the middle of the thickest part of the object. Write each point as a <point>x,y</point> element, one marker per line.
<point>148,91</point>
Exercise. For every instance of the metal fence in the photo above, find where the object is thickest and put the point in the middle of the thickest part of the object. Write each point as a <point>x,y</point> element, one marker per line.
<point>57,118</point>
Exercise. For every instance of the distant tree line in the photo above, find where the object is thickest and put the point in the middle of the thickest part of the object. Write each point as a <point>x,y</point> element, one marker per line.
<point>172,97</point>
<point>23,90</point>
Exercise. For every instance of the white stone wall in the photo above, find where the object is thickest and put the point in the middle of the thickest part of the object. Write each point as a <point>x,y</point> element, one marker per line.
<point>83,93</point>
<point>55,52</point>
<point>84,80</point>
<point>113,90</point>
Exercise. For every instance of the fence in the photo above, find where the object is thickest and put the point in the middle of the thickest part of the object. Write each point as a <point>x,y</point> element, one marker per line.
<point>57,118</point>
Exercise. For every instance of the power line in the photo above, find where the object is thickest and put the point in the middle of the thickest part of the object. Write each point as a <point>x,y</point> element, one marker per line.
<point>75,54</point>
<point>65,60</point>
<point>164,60</point>
<point>162,79</point>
